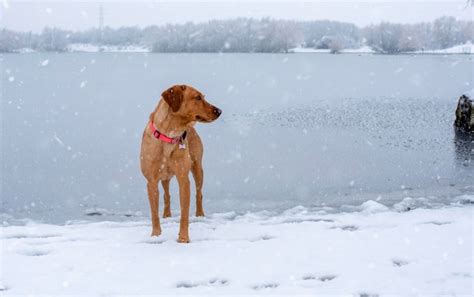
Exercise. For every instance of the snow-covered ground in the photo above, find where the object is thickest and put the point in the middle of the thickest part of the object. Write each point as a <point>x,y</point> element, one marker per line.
<point>372,251</point>
<point>467,48</point>
<point>362,50</point>
<point>308,50</point>
<point>91,48</point>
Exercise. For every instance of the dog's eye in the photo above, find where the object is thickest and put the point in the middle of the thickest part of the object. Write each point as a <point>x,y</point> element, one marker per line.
<point>198,98</point>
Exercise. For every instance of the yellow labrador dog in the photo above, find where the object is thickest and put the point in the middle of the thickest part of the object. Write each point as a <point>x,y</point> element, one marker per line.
<point>171,147</point>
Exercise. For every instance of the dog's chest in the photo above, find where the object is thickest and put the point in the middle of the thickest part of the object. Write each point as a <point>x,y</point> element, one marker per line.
<point>165,168</point>
<point>168,160</point>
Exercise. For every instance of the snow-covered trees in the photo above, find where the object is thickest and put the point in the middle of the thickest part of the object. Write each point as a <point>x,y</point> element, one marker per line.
<point>53,39</point>
<point>239,35</point>
<point>318,34</point>
<point>444,32</point>
<point>11,40</point>
<point>252,35</point>
<point>385,37</point>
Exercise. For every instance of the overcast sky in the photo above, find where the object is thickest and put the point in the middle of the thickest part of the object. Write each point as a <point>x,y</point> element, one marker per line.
<point>79,15</point>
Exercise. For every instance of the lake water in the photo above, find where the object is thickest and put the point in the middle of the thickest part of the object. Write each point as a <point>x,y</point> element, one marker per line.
<point>297,129</point>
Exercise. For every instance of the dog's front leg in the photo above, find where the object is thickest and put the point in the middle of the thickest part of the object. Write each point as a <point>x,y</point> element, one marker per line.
<point>153,196</point>
<point>184,197</point>
<point>167,198</point>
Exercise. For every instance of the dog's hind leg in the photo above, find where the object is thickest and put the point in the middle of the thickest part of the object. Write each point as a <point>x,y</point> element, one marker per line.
<point>198,175</point>
<point>167,198</point>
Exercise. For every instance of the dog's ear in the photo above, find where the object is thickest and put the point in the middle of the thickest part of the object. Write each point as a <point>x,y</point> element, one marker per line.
<point>174,97</point>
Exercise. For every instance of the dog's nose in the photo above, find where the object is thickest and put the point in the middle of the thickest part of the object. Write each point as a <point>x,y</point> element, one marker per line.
<point>217,111</point>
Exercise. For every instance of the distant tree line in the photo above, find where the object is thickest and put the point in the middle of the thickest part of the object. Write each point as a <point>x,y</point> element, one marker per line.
<point>442,33</point>
<point>253,35</point>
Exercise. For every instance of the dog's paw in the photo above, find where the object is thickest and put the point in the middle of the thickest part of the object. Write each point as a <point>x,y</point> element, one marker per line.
<point>199,213</point>
<point>183,239</point>
<point>166,214</point>
<point>156,232</point>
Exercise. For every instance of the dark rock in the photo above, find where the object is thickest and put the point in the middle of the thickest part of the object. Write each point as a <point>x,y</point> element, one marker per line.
<point>465,114</point>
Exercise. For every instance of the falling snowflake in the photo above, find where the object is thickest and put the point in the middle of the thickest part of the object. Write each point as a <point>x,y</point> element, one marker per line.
<point>45,62</point>
<point>58,140</point>
<point>83,84</point>
<point>400,69</point>
<point>11,78</point>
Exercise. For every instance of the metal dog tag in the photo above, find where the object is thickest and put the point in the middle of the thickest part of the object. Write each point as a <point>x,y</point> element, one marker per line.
<point>182,146</point>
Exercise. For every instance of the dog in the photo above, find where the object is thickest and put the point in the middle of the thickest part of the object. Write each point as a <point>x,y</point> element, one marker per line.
<point>172,147</point>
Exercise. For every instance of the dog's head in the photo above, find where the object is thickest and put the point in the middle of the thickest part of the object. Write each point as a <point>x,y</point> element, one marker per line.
<point>189,104</point>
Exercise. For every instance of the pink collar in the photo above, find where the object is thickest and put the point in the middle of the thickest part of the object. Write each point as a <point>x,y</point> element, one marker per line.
<point>160,136</point>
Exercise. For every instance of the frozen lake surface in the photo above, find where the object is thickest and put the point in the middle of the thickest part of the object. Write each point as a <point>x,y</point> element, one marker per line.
<point>298,129</point>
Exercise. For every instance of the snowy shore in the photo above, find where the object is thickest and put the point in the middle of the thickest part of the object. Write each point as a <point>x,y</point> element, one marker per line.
<point>374,250</point>
<point>467,48</point>
<point>91,48</point>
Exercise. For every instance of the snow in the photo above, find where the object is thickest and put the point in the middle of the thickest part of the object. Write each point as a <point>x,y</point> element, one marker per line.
<point>26,50</point>
<point>465,199</point>
<point>406,204</point>
<point>469,93</point>
<point>308,50</point>
<point>371,206</point>
<point>91,48</point>
<point>300,251</point>
<point>467,48</point>
<point>83,47</point>
<point>362,50</point>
